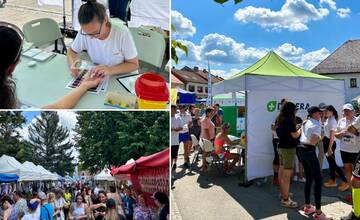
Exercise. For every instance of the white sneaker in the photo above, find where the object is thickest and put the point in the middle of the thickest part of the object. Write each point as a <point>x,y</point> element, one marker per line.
<point>289,203</point>
<point>295,178</point>
<point>302,179</point>
<point>322,216</point>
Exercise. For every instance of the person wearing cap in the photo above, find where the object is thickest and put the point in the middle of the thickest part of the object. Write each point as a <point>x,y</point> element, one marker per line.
<point>33,210</point>
<point>288,133</point>
<point>184,135</point>
<point>355,179</point>
<point>306,151</point>
<point>349,142</point>
<point>46,210</point>
<point>162,201</point>
<point>176,126</point>
<point>329,144</point>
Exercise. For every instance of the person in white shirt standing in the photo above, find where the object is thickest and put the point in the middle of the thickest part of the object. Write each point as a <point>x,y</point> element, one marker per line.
<point>110,47</point>
<point>184,135</point>
<point>329,144</point>
<point>176,126</point>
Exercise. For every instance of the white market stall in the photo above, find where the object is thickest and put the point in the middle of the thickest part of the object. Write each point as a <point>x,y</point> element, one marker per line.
<point>9,165</point>
<point>46,175</point>
<point>265,83</point>
<point>104,175</point>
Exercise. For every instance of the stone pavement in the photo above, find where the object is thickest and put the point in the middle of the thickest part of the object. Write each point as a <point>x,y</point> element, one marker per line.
<point>218,196</point>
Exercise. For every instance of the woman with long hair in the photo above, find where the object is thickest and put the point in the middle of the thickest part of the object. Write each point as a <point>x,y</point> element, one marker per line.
<point>306,151</point>
<point>79,209</point>
<point>99,207</point>
<point>288,133</point>
<point>109,46</point>
<point>329,144</point>
<point>11,39</point>
<point>143,211</point>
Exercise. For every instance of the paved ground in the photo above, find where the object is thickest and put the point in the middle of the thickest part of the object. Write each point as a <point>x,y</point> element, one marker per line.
<point>217,196</point>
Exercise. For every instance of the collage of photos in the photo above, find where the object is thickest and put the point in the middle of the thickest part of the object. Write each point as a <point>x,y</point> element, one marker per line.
<point>179,109</point>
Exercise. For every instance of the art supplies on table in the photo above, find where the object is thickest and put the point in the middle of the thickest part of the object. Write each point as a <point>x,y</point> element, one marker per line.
<point>38,54</point>
<point>123,100</point>
<point>75,82</point>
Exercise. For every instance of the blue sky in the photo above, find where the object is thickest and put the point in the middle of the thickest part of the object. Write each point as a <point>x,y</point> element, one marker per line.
<point>304,32</point>
<point>29,115</point>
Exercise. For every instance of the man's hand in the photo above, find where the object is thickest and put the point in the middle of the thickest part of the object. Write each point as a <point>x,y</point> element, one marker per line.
<point>100,69</point>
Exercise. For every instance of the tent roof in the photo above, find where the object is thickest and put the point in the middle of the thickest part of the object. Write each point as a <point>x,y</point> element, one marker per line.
<point>273,65</point>
<point>239,95</point>
<point>105,174</point>
<point>159,159</point>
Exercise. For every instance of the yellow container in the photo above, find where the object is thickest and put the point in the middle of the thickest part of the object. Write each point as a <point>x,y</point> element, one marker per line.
<point>356,201</point>
<point>147,104</point>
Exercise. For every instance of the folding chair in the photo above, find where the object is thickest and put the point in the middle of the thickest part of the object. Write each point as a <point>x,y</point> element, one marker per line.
<point>44,31</point>
<point>209,148</point>
<point>150,45</point>
<point>197,149</point>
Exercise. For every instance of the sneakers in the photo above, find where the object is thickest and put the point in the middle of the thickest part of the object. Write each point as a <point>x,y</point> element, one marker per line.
<point>290,195</point>
<point>289,203</point>
<point>322,216</point>
<point>330,183</point>
<point>302,179</point>
<point>309,210</point>
<point>343,187</point>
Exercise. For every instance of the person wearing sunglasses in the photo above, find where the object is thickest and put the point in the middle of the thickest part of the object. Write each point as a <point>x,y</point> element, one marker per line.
<point>11,40</point>
<point>111,48</point>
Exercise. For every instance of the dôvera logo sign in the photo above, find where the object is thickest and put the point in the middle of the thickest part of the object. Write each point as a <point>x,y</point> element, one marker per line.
<point>271,106</point>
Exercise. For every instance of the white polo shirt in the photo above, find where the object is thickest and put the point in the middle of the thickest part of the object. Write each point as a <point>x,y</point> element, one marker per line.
<point>186,117</point>
<point>349,143</point>
<point>115,49</point>
<point>330,125</point>
<point>311,127</point>
<point>176,122</point>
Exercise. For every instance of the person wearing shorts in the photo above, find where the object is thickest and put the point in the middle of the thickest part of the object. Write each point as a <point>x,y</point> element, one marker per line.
<point>288,133</point>
<point>349,142</point>
<point>184,135</point>
<point>176,126</point>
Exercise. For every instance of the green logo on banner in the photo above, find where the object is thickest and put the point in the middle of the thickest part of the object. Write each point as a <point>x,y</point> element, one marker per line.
<point>271,106</point>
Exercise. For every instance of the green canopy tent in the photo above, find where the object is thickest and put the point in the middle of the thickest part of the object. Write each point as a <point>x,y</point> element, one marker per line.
<point>264,84</point>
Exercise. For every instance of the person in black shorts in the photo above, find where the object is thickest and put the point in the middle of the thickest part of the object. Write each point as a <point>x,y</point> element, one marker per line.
<point>176,126</point>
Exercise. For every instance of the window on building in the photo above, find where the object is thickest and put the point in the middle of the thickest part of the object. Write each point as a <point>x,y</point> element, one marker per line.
<point>206,89</point>
<point>199,89</point>
<point>191,88</point>
<point>353,83</point>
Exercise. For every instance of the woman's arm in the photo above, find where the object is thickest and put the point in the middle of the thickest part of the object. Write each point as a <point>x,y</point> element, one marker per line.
<point>332,139</point>
<point>296,134</point>
<point>72,58</point>
<point>73,97</point>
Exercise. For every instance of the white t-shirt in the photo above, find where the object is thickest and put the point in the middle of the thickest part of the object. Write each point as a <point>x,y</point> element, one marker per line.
<point>330,125</point>
<point>186,117</point>
<point>176,122</point>
<point>115,49</point>
<point>349,143</point>
<point>311,127</point>
<point>32,216</point>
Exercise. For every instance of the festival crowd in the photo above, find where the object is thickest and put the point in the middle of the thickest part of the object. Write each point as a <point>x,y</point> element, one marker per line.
<point>80,201</point>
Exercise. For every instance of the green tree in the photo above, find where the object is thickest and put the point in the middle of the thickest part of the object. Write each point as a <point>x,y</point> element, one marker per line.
<point>106,139</point>
<point>51,143</point>
<point>10,124</point>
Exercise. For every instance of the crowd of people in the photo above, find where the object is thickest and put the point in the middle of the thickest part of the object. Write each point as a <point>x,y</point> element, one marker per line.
<point>311,140</point>
<point>201,123</point>
<point>80,201</point>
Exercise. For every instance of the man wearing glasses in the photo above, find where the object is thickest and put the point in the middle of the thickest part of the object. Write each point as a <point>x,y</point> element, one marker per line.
<point>110,47</point>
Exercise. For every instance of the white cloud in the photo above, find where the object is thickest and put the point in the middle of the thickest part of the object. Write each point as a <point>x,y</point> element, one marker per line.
<point>343,12</point>
<point>183,26</point>
<point>293,16</point>
<point>224,50</point>
<point>330,3</point>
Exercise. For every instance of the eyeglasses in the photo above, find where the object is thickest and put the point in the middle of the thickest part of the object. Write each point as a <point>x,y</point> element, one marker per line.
<point>96,34</point>
<point>19,32</point>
